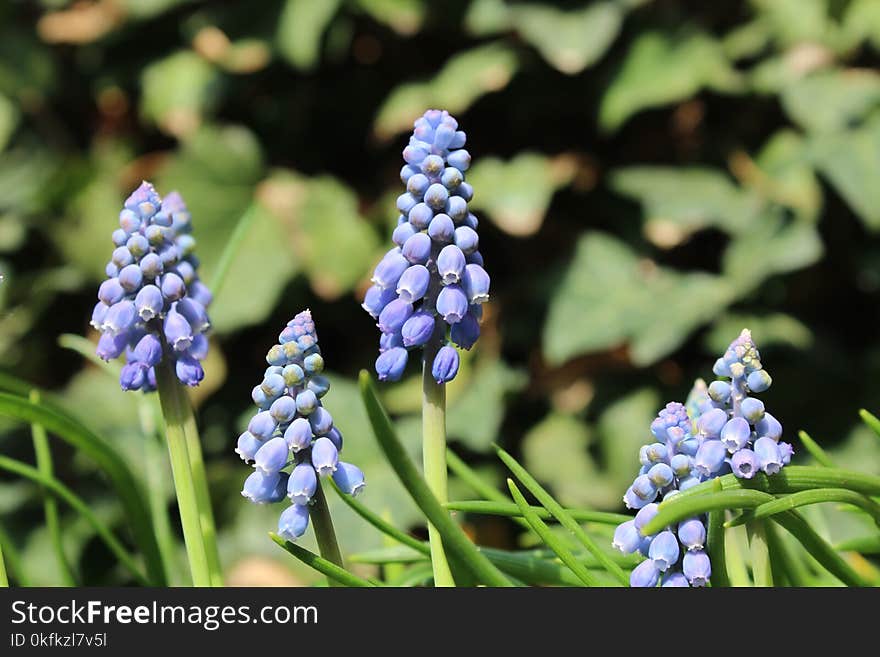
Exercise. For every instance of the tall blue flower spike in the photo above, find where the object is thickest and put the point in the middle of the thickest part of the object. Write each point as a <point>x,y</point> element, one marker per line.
<point>723,429</point>
<point>153,305</point>
<point>291,439</point>
<point>428,289</point>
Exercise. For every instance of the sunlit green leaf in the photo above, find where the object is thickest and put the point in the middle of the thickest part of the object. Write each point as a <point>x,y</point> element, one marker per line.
<point>832,100</point>
<point>178,91</point>
<point>301,27</point>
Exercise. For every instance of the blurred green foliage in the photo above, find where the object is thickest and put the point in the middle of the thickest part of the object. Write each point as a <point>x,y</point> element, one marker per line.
<point>651,176</point>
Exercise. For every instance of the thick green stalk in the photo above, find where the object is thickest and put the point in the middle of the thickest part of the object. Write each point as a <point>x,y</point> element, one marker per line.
<point>319,513</point>
<point>43,456</point>
<point>203,494</point>
<point>434,459</point>
<point>762,573</point>
<point>173,400</point>
<point>148,413</point>
<point>4,579</point>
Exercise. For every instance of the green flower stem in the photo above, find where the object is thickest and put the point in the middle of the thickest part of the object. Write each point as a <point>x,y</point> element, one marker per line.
<point>50,506</point>
<point>174,402</point>
<point>735,548</point>
<point>762,573</point>
<point>12,557</point>
<point>203,494</point>
<point>148,414</point>
<point>715,547</point>
<point>319,513</point>
<point>4,578</point>
<point>434,455</point>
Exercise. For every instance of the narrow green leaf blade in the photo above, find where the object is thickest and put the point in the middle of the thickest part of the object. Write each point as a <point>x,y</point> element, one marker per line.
<point>815,450</point>
<point>510,510</point>
<point>321,564</point>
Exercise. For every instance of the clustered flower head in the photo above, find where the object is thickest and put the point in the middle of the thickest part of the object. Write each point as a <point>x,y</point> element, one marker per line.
<point>428,289</point>
<point>153,305</point>
<point>723,429</point>
<point>292,440</point>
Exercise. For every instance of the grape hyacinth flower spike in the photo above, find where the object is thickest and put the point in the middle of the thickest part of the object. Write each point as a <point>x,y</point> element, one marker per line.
<point>428,290</point>
<point>723,429</point>
<point>292,442</point>
<point>152,306</point>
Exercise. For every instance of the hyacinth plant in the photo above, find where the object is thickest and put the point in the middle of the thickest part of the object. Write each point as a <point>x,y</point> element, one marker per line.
<point>152,309</point>
<point>292,441</point>
<point>427,291</point>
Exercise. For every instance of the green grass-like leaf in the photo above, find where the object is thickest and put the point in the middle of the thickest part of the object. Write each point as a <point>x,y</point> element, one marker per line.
<point>815,450</point>
<point>558,512</point>
<point>549,538</point>
<point>871,420</point>
<point>321,564</point>
<point>57,422</point>
<point>807,497</point>
<point>715,547</point>
<point>510,510</point>
<point>454,539</point>
<point>680,507</point>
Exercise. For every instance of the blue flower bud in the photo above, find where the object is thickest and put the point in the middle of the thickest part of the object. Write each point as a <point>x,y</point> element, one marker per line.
<point>120,237</point>
<point>681,465</point>
<point>99,314</point>
<point>313,364</point>
<point>247,446</point>
<point>417,185</point>
<point>120,317</point>
<point>177,331</point>
<point>131,278</point>
<point>632,500</point>
<point>452,304</point>
<point>349,478</point>
<point>759,381</point>
<point>389,341</point>
<point>306,402</point>
<point>466,239</point>
<point>465,332</point>
<point>719,391</point>
<point>321,421</point>
<point>626,537</point>
<point>711,423</point>
<point>413,284</point>
<point>692,533</point>
<point>402,233</point>
<point>261,487</point>
<point>293,522</point>
<point>442,229</point>
<point>432,166</point>
<point>324,456</point>
<point>420,216</point>
<point>335,437</point>
<point>689,447</point>
<point>674,580</point>
<point>262,425</point>
<point>445,365</point>
<point>149,302</point>
<point>391,363</point>
<point>418,329</point>
<point>450,264</point>
<point>697,568</point>
<point>390,269</point>
<point>272,455</point>
<point>465,191</point>
<point>710,457</point>
<point>735,434</point>
<point>132,376</point>
<point>457,209</point>
<point>785,452</point>
<point>148,350</point>
<point>405,202</point>
<point>661,475</point>
<point>644,488</point>
<point>151,266</point>
<point>664,550</point>
<point>744,464</point>
<point>394,316</point>
<point>189,371</point>
<point>283,409</point>
<point>459,159</point>
<point>689,482</point>
<point>645,575</point>
<point>173,287</point>
<point>302,484</point>
<point>111,291</point>
<point>298,435</point>
<point>436,196</point>
<point>121,257</point>
<point>320,385</point>
<point>768,455</point>
<point>414,155</point>
<point>195,314</point>
<point>657,453</point>
<point>451,178</point>
<point>417,249</point>
<point>476,284</point>
<point>769,426</point>
<point>111,346</point>
<point>752,409</point>
<point>198,291</point>
<point>645,515</point>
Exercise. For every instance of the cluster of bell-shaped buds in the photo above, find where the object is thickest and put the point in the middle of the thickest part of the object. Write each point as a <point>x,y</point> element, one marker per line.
<point>676,555</point>
<point>723,429</point>
<point>292,440</point>
<point>428,289</point>
<point>153,305</point>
